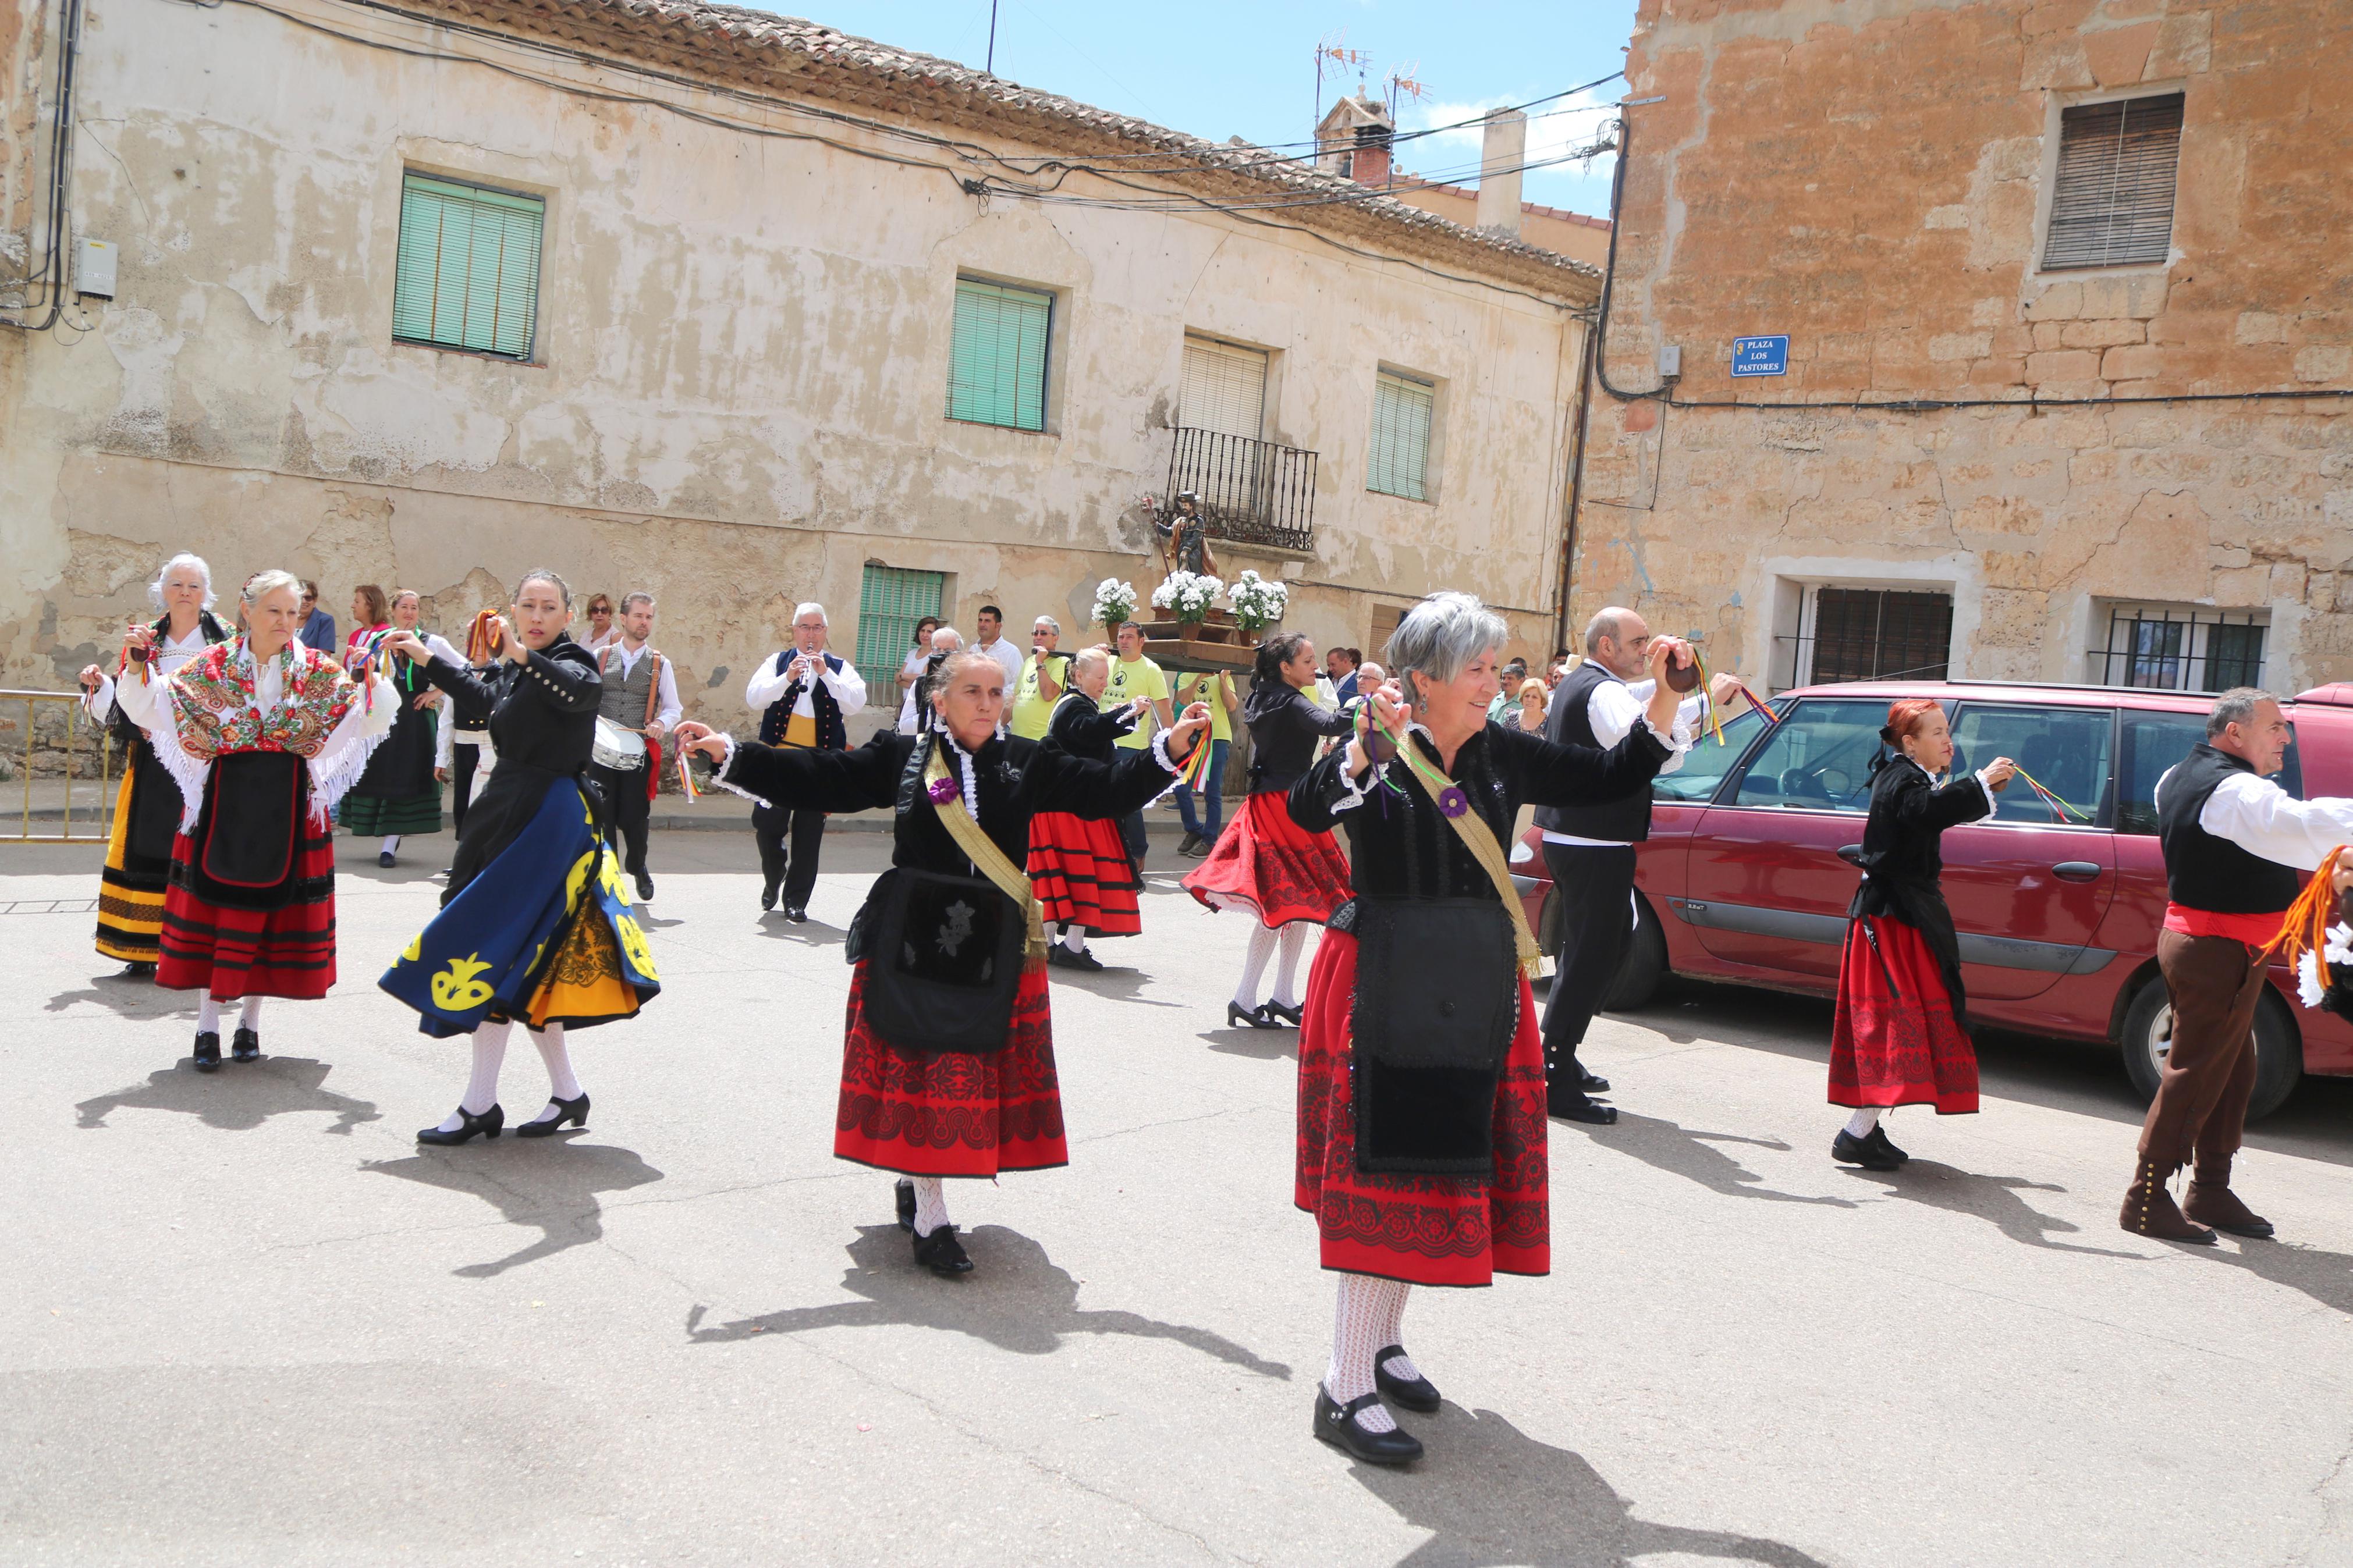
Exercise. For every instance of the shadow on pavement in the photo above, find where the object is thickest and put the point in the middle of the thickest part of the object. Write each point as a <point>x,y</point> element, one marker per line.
<point>550,1186</point>
<point>811,932</point>
<point>126,998</point>
<point>1018,1300</point>
<point>1113,983</point>
<point>2326,1277</point>
<point>1259,1044</point>
<point>1491,1494</point>
<point>1993,1198</point>
<point>1693,1155</point>
<point>238,1098</point>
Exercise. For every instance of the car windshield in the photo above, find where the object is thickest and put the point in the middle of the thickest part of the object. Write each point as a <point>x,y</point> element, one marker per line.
<point>1817,759</point>
<point>1706,762</point>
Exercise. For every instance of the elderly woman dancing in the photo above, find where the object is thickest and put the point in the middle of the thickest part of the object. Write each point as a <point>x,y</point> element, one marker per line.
<point>262,736</point>
<point>1422,1080</point>
<point>947,1064</point>
<point>147,808</point>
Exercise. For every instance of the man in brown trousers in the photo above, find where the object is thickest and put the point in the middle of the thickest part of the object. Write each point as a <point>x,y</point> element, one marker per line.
<point>2234,842</point>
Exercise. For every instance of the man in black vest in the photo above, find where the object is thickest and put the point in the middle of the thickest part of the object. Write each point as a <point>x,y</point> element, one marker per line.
<point>802,696</point>
<point>641,693</point>
<point>1590,849</point>
<point>2233,844</point>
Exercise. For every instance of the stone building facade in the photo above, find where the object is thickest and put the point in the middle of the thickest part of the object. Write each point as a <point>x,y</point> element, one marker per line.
<point>2032,259</point>
<point>738,378</point>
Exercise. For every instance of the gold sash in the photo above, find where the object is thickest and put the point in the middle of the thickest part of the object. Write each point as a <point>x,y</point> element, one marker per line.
<point>983,852</point>
<point>1480,839</point>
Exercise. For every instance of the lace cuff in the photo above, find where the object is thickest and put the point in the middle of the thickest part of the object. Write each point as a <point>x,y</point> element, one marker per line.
<point>719,774</point>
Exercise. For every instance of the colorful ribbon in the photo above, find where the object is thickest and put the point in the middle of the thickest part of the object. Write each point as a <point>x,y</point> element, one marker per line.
<point>1449,797</point>
<point>1709,719</point>
<point>2060,809</point>
<point>686,776</point>
<point>370,648</point>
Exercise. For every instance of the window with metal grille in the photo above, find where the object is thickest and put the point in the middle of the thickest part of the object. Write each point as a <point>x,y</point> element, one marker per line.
<point>1877,634</point>
<point>996,358</point>
<point>2180,648</point>
<point>890,600</point>
<point>1403,409</point>
<point>2111,204</point>
<point>468,272</point>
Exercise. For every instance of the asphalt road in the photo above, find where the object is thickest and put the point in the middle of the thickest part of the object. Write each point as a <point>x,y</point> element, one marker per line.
<point>248,1321</point>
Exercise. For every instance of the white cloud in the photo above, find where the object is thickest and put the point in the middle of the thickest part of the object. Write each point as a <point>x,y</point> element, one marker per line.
<point>1554,130</point>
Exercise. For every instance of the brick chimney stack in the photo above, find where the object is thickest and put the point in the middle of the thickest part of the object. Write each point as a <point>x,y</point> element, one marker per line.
<point>1353,141</point>
<point>1503,151</point>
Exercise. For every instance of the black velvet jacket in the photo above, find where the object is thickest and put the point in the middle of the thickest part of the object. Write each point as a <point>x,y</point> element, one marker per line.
<point>1399,845</point>
<point>1901,863</point>
<point>542,716</point>
<point>1081,729</point>
<point>1284,726</point>
<point>1016,778</point>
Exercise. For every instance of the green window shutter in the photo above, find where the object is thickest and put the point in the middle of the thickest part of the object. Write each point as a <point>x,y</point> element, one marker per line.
<point>468,274</point>
<point>996,358</point>
<point>1402,409</point>
<point>890,600</point>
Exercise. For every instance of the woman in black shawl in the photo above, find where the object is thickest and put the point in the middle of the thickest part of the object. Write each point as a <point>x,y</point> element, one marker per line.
<point>1901,1035</point>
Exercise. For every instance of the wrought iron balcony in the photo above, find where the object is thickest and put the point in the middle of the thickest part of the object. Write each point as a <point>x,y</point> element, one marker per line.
<point>1252,492</point>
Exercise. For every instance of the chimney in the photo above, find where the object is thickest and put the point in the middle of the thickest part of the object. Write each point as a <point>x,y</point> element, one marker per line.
<point>1370,165</point>
<point>1505,149</point>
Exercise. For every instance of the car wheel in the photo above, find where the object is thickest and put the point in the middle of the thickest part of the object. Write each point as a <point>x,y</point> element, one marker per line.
<point>2279,1053</point>
<point>1644,965</point>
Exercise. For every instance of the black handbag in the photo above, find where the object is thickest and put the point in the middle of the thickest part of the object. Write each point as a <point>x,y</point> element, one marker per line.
<point>945,961</point>
<point>1437,1002</point>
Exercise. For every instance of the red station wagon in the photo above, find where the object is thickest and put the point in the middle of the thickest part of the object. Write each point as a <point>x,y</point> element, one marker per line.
<point>1745,877</point>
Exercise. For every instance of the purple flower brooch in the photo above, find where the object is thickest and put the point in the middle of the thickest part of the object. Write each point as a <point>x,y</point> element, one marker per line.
<point>942,791</point>
<point>1453,801</point>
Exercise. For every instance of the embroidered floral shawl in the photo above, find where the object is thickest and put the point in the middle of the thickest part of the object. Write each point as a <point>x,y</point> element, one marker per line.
<point>213,698</point>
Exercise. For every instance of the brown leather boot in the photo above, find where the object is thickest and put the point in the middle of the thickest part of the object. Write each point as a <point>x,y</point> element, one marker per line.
<point>2211,1201</point>
<point>2149,1209</point>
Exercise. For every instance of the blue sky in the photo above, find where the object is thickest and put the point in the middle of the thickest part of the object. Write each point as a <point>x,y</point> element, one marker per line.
<point>1246,67</point>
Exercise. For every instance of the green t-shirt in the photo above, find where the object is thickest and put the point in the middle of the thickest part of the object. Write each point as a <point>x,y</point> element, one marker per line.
<point>1132,678</point>
<point>1192,689</point>
<point>1031,709</point>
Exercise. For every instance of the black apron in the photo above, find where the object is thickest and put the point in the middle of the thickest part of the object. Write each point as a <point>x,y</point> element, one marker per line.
<point>1436,1007</point>
<point>247,830</point>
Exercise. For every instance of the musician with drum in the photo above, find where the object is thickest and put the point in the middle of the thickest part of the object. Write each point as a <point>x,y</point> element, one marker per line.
<point>638,710</point>
<point>520,933</point>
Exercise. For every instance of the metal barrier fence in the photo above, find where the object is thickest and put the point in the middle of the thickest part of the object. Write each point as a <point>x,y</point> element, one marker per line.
<point>101,739</point>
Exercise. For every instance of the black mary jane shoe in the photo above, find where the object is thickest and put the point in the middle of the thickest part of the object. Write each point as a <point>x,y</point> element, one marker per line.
<point>138,969</point>
<point>1256,1019</point>
<point>904,1194</point>
<point>1414,1393</point>
<point>1593,1083</point>
<point>1879,1137</point>
<point>209,1051</point>
<point>1849,1150</point>
<point>487,1124</point>
<point>1337,1423</point>
<point>1289,1015</point>
<point>245,1046</point>
<point>941,1253</point>
<point>575,1111</point>
<point>384,858</point>
<point>1085,961</point>
<point>1586,1111</point>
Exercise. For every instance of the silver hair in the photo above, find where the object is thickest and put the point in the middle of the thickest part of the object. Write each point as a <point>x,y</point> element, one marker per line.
<point>155,589</point>
<point>1606,623</point>
<point>638,597</point>
<point>1369,671</point>
<point>812,608</point>
<point>543,574</point>
<point>263,584</point>
<point>1087,659</point>
<point>954,640</point>
<point>1049,623</point>
<point>2236,706</point>
<point>1439,638</point>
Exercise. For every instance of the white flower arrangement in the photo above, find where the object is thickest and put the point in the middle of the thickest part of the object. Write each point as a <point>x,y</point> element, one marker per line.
<point>1258,603</point>
<point>1115,602</point>
<point>1190,593</point>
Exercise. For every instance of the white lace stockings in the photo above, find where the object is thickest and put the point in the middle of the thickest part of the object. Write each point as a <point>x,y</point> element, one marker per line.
<point>1369,1315</point>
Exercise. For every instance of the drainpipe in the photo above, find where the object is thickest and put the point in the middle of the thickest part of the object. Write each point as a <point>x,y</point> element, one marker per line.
<point>1576,483</point>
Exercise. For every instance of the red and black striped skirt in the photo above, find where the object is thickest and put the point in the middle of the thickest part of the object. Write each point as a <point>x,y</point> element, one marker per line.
<point>953,1113</point>
<point>1426,1230</point>
<point>286,951</point>
<point>1081,870</point>
<point>1267,865</point>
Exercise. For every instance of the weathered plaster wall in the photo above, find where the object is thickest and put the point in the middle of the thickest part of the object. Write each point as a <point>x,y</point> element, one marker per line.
<point>1865,175</point>
<point>742,363</point>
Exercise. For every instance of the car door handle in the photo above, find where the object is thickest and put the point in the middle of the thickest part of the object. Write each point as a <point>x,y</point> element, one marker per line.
<point>1851,853</point>
<point>2076,871</point>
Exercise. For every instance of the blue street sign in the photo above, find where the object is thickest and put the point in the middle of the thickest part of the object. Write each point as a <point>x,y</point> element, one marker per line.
<point>1761,356</point>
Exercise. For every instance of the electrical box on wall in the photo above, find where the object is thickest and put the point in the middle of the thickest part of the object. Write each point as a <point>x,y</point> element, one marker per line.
<point>94,267</point>
<point>1671,361</point>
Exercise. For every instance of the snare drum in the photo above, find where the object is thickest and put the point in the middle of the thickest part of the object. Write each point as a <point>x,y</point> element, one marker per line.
<point>623,751</point>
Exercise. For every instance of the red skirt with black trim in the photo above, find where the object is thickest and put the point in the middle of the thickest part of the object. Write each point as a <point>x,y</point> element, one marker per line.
<point>1080,867</point>
<point>1425,1230</point>
<point>285,951</point>
<point>953,1113</point>
<point>1267,865</point>
<point>1899,1046</point>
